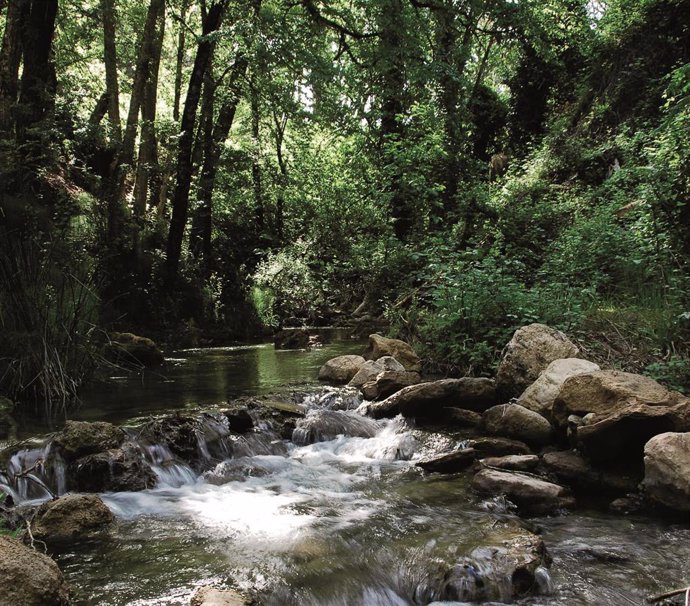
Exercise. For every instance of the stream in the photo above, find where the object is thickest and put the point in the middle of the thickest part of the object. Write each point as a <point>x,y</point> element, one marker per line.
<point>342,521</point>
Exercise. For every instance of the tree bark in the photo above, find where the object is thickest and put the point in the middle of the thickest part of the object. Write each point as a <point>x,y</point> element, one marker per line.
<point>38,83</point>
<point>10,59</point>
<point>178,221</point>
<point>256,161</point>
<point>202,225</point>
<point>112,86</point>
<point>181,40</point>
<point>392,108</point>
<point>148,146</point>
<point>125,159</point>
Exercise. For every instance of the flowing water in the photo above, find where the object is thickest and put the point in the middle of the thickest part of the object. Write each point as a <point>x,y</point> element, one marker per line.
<point>344,520</point>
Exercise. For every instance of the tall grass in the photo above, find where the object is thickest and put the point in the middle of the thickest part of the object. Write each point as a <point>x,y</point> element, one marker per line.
<point>48,311</point>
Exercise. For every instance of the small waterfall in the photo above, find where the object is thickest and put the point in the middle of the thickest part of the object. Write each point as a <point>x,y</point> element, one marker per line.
<point>169,470</point>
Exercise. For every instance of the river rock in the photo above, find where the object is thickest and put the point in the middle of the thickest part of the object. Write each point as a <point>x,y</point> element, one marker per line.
<point>341,369</point>
<point>29,578</point>
<point>459,417</point>
<point>381,346</point>
<point>540,395</point>
<point>498,447</point>
<point>515,421</point>
<point>291,338</point>
<point>504,566</point>
<point>429,399</point>
<point>115,470</point>
<point>372,368</point>
<point>512,462</point>
<point>531,495</point>
<point>572,469</point>
<point>71,518</point>
<point>389,382</point>
<point>240,420</point>
<point>605,392</point>
<point>180,433</point>
<point>212,596</point>
<point>449,462</point>
<point>667,470</point>
<point>324,425</point>
<point>130,349</point>
<point>528,353</point>
<point>79,438</point>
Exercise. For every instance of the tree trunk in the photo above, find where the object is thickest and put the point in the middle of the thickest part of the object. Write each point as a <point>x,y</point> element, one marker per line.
<point>112,86</point>
<point>100,110</point>
<point>202,226</point>
<point>148,146</point>
<point>180,60</point>
<point>118,186</point>
<point>256,162</point>
<point>178,221</point>
<point>280,126</point>
<point>392,108</point>
<point>38,83</point>
<point>10,58</point>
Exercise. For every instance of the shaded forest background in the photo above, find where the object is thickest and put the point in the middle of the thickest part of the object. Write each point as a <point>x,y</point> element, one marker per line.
<point>447,169</point>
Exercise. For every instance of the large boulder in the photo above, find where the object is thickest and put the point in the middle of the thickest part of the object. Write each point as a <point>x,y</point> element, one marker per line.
<point>212,596</point>
<point>621,435</point>
<point>605,392</point>
<point>71,518</point>
<point>667,470</point>
<point>621,411</point>
<point>79,438</point>
<point>540,395</point>
<point>429,399</point>
<point>528,353</point>
<point>532,495</point>
<point>132,350</point>
<point>381,346</point>
<point>291,338</point>
<point>29,578</point>
<point>114,470</point>
<point>515,421</point>
<point>341,369</point>
<point>372,368</point>
<point>388,382</point>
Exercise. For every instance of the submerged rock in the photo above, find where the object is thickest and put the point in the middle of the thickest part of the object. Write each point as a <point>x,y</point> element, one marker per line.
<point>667,470</point>
<point>212,596</point>
<point>71,518</point>
<point>507,563</point>
<point>515,421</point>
<point>291,338</point>
<point>29,578</point>
<point>341,370</point>
<point>528,353</point>
<point>429,399</point>
<point>531,495</point>
<point>130,349</point>
<point>451,462</point>
<point>79,438</point>
<point>382,346</point>
<point>324,425</point>
<point>540,395</point>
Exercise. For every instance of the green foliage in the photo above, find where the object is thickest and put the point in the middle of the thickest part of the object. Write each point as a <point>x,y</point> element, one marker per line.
<point>674,373</point>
